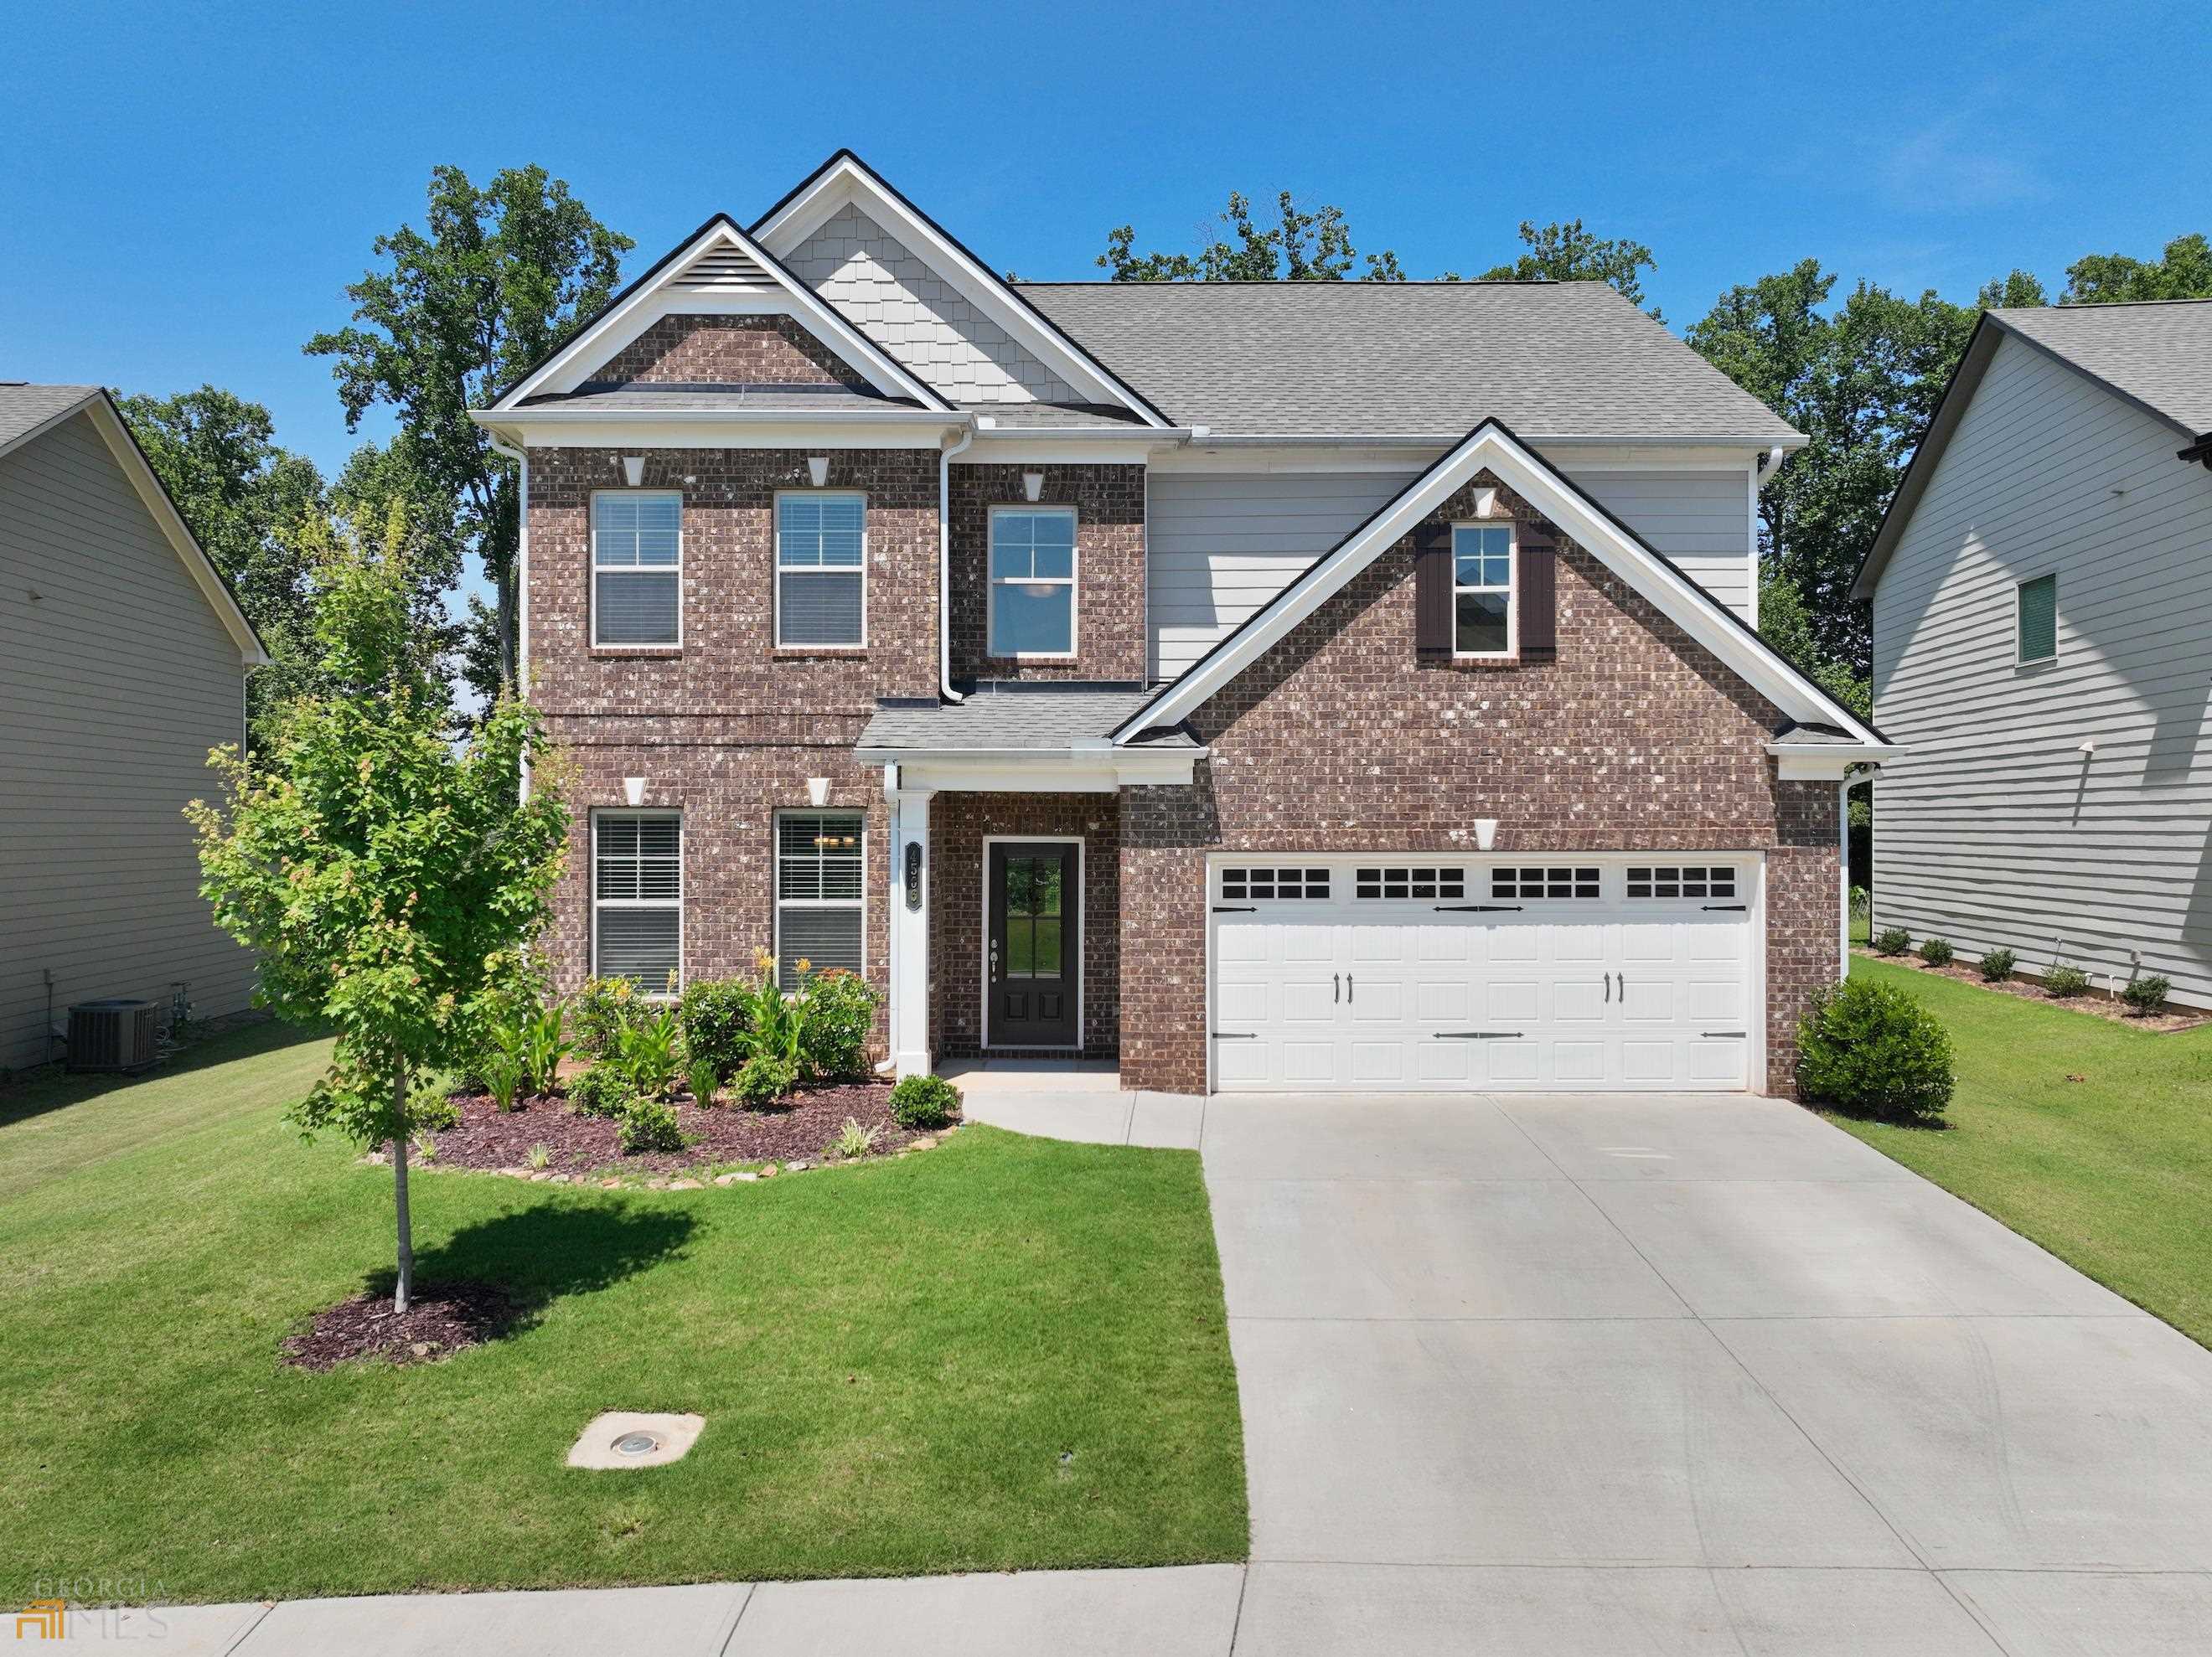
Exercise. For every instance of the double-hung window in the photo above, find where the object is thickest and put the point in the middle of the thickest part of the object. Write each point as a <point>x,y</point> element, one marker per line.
<point>637,898</point>
<point>2035,619</point>
<point>818,892</point>
<point>1032,581</point>
<point>1482,590</point>
<point>637,574</point>
<point>821,569</point>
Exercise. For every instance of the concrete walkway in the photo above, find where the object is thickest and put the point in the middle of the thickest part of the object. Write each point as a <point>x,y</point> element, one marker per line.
<point>1674,1376</point>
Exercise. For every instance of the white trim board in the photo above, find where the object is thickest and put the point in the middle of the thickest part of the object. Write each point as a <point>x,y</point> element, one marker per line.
<point>1492,446</point>
<point>845,179</point>
<point>653,296</point>
<point>983,940</point>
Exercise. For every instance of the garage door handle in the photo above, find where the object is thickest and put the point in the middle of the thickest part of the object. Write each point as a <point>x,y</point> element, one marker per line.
<point>1737,907</point>
<point>1476,1035</point>
<point>1476,909</point>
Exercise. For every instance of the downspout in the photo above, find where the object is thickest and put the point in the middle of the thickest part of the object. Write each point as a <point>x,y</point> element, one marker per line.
<point>945,566</point>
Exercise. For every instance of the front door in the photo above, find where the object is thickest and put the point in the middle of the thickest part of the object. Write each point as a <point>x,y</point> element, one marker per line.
<point>1031,962</point>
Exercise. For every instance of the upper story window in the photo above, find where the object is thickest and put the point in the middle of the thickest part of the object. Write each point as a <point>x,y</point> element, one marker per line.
<point>1482,590</point>
<point>2036,619</point>
<point>637,576</point>
<point>821,569</point>
<point>1032,581</point>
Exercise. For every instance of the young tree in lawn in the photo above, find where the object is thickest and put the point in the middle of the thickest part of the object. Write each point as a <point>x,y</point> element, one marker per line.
<point>503,275</point>
<point>387,876</point>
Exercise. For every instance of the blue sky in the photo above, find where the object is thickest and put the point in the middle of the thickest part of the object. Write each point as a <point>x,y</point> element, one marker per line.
<point>186,189</point>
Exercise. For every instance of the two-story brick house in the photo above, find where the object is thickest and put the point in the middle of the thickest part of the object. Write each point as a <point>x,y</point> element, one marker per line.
<point>1284,686</point>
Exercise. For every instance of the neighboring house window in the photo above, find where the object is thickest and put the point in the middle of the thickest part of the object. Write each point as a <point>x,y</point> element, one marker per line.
<point>1482,589</point>
<point>2038,619</point>
<point>818,892</point>
<point>637,554</point>
<point>1032,581</point>
<point>821,569</point>
<point>637,898</point>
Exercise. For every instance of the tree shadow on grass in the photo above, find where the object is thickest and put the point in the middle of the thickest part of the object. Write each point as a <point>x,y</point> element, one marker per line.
<point>549,1251</point>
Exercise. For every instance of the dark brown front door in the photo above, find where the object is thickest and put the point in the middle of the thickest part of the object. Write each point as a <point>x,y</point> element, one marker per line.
<point>1031,965</point>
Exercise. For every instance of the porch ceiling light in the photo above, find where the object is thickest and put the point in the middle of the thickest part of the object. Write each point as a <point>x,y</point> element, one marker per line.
<point>633,470</point>
<point>1033,486</point>
<point>818,468</point>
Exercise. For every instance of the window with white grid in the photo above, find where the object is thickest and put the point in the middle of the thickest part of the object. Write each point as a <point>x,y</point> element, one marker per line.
<point>819,892</point>
<point>637,898</point>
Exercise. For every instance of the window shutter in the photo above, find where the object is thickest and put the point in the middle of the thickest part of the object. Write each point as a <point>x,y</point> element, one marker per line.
<point>1432,591</point>
<point>1538,595</point>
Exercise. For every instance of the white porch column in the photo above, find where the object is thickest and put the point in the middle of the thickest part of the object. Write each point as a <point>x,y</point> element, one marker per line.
<point>909,930</point>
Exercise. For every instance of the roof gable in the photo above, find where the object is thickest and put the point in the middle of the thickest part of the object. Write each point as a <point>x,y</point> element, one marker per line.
<point>845,181</point>
<point>718,270</point>
<point>1494,448</point>
<point>28,413</point>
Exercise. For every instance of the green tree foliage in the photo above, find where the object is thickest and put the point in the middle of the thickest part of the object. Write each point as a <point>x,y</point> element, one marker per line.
<point>1569,253</point>
<point>386,877</point>
<point>2183,271</point>
<point>1299,246</point>
<point>502,275</point>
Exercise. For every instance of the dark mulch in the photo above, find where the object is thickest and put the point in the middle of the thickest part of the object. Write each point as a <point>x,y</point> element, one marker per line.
<point>2095,1002</point>
<point>802,1128</point>
<point>441,1320</point>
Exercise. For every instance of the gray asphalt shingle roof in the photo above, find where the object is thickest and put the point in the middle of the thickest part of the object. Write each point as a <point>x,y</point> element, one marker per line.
<point>1428,359</point>
<point>1001,718</point>
<point>2160,354</point>
<point>25,408</point>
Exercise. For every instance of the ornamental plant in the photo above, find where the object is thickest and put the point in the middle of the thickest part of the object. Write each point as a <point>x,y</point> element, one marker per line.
<point>1892,940</point>
<point>385,875</point>
<point>1996,965</point>
<point>1936,951</point>
<point>2145,995</point>
<point>924,1101</point>
<point>1869,1048</point>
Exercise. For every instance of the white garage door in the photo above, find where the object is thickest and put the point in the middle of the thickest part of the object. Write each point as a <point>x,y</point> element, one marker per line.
<point>1390,974</point>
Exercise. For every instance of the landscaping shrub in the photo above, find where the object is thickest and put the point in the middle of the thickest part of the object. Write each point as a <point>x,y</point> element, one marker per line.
<point>1871,1049</point>
<point>545,1045</point>
<point>704,1082</point>
<point>716,1014</point>
<point>1997,964</point>
<point>1936,951</point>
<point>2065,983</point>
<point>602,1008</point>
<point>600,1091</point>
<point>1892,940</point>
<point>650,1125</point>
<point>502,1078</point>
<point>924,1101</point>
<point>765,1078</point>
<point>1861,903</point>
<point>852,1140</point>
<point>838,1011</point>
<point>649,1053</point>
<point>2145,995</point>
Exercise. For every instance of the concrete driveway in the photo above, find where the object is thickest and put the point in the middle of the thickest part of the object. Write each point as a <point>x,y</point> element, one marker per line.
<point>1683,1375</point>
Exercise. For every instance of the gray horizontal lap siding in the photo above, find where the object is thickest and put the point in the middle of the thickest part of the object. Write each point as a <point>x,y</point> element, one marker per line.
<point>1994,830</point>
<point>114,683</point>
<point>1222,544</point>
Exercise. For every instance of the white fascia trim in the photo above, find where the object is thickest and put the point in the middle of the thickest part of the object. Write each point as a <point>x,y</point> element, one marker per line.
<point>1008,448</point>
<point>708,428</point>
<point>623,322</point>
<point>1827,762</point>
<point>1033,771</point>
<point>1492,446</point>
<point>108,422</point>
<point>1446,439</point>
<point>847,180</point>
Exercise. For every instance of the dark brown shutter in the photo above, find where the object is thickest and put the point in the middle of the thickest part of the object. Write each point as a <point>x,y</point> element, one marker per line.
<point>1433,627</point>
<point>1538,596</point>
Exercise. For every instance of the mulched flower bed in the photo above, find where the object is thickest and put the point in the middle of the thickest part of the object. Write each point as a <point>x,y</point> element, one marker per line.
<point>441,1320</point>
<point>2112,1009</point>
<point>801,1127</point>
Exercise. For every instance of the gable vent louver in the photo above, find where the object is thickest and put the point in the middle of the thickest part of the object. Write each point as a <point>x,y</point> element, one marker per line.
<point>722,271</point>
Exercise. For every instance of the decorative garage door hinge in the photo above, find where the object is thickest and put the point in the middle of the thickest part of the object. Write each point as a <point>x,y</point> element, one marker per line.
<point>1737,907</point>
<point>1236,909</point>
<point>1237,1035</point>
<point>1476,1035</point>
<point>1476,909</point>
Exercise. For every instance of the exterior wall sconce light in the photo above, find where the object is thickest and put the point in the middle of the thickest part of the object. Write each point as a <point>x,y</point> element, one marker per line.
<point>817,790</point>
<point>818,468</point>
<point>633,470</point>
<point>1486,832</point>
<point>633,789</point>
<point>1033,485</point>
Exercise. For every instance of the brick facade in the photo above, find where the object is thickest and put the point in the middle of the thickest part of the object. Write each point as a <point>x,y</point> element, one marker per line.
<point>1636,738</point>
<point>727,350</point>
<point>1109,569</point>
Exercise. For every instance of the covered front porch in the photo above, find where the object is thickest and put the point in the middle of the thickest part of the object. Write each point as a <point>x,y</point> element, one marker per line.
<point>1006,935</point>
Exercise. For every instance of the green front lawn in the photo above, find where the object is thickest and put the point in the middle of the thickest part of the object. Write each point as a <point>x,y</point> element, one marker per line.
<point>2113,1174</point>
<point>1005,1352</point>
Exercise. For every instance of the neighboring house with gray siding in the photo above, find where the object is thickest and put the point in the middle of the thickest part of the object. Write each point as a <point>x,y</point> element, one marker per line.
<point>2042,591</point>
<point>123,661</point>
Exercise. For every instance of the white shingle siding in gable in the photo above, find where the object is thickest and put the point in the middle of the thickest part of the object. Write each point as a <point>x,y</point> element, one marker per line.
<point>1222,544</point>
<point>906,307</point>
<point>1994,828</point>
<point>114,683</point>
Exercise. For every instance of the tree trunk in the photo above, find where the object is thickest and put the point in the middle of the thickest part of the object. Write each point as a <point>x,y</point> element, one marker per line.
<point>406,1282</point>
